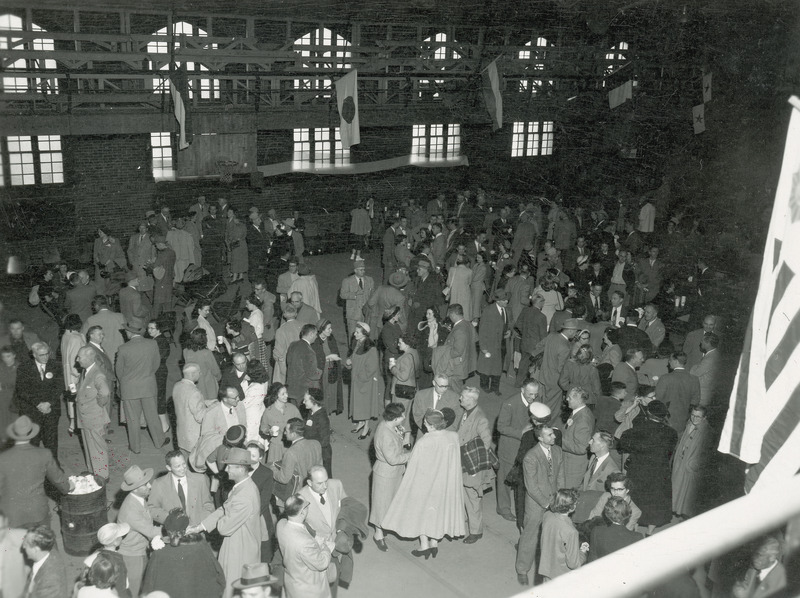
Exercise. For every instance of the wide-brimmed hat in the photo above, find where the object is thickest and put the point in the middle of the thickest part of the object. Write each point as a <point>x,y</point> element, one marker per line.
<point>238,456</point>
<point>570,324</point>
<point>135,476</point>
<point>255,575</point>
<point>398,279</point>
<point>111,531</point>
<point>135,325</point>
<point>22,428</point>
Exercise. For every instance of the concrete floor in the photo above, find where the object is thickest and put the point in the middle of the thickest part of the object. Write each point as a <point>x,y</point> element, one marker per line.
<point>482,569</point>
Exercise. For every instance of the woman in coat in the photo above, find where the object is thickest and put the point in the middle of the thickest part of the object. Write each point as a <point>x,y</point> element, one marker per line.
<point>693,450</point>
<point>196,351</point>
<point>330,362</point>
<point>650,444</point>
<point>154,332</point>
<point>318,425</point>
<point>279,411</point>
<point>458,288</point>
<point>387,471</point>
<point>429,502</point>
<point>236,244</point>
<point>366,383</point>
<point>477,287</point>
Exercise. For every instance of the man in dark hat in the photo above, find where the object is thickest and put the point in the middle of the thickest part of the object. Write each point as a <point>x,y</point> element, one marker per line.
<point>133,548</point>
<point>23,469</point>
<point>137,362</point>
<point>494,329</point>
<point>256,582</point>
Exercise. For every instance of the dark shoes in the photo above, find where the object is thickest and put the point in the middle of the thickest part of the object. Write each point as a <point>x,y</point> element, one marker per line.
<point>522,579</point>
<point>472,538</point>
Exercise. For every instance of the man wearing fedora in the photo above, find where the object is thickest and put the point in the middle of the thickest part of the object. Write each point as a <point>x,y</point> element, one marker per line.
<point>238,521</point>
<point>355,292</point>
<point>137,362</point>
<point>136,481</point>
<point>40,385</point>
<point>256,582</point>
<point>557,350</point>
<point>306,558</point>
<point>23,469</point>
<point>494,329</point>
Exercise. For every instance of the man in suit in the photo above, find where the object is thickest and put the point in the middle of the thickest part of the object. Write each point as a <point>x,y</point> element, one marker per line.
<point>112,324</point>
<point>23,469</point>
<point>302,372</point>
<point>576,437</point>
<point>48,576</point>
<point>238,521</point>
<point>190,407</point>
<point>691,345</point>
<point>79,298</point>
<point>493,331</point>
<point>305,558</point>
<point>609,538</point>
<point>707,370</point>
<point>543,470</point>
<point>437,397</point>
<point>474,424</point>
<point>288,333</point>
<point>91,404</point>
<point>38,394</point>
<point>678,390</point>
<point>132,303</point>
<point>557,349</point>
<point>766,575</point>
<point>625,371</point>
<point>137,362</point>
<point>601,465</point>
<point>300,457</point>
<point>630,336</point>
<point>324,496</point>
<point>511,422</point>
<point>19,339</point>
<point>355,292</point>
<point>652,325</point>
<point>180,488</point>
<point>458,355</point>
<point>531,326</point>
<point>221,416</point>
<point>134,512</point>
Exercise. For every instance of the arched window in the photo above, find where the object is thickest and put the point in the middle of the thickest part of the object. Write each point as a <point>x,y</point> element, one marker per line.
<point>209,88</point>
<point>536,53</point>
<point>13,84</point>
<point>322,49</point>
<point>440,51</point>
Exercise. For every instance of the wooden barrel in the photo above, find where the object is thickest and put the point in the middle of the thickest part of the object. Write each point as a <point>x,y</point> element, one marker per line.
<point>81,516</point>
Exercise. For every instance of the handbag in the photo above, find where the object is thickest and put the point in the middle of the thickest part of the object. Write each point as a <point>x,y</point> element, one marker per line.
<point>405,391</point>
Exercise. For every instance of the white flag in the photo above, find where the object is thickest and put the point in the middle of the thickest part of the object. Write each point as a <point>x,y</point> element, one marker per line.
<point>620,95</point>
<point>347,99</point>
<point>706,87</point>
<point>699,118</point>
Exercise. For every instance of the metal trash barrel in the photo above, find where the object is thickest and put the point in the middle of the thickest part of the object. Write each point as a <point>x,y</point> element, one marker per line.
<point>82,515</point>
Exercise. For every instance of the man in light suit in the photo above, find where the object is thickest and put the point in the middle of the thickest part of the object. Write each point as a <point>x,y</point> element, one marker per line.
<point>678,390</point>
<point>180,488</point>
<point>543,469</point>
<point>324,496</point>
<point>133,548</point>
<point>459,356</point>
<point>305,558</point>
<point>652,325</point>
<point>302,372</point>
<point>38,394</point>
<point>238,521</point>
<point>439,396</point>
<point>576,437</point>
<point>511,422</point>
<point>355,292</point>
<point>474,424</point>
<point>48,576</point>
<point>225,413</point>
<point>137,362</point>
<point>625,371</point>
<point>601,465</point>
<point>112,324</point>
<point>190,407</point>
<point>91,404</point>
<point>706,370</point>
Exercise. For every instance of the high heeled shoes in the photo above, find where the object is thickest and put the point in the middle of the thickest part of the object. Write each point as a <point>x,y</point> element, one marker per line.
<point>426,553</point>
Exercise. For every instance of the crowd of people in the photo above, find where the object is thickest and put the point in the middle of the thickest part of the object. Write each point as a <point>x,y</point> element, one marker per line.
<point>602,440</point>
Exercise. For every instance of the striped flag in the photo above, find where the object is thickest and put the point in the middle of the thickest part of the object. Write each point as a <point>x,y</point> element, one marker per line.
<point>762,426</point>
<point>492,95</point>
<point>179,90</point>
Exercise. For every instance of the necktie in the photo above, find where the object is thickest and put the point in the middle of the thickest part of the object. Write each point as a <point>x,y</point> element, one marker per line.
<point>182,495</point>
<point>361,284</point>
<point>321,499</point>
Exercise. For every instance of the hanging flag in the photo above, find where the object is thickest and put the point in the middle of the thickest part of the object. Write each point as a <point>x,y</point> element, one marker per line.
<point>491,94</point>
<point>620,95</point>
<point>179,90</point>
<point>762,426</point>
<point>699,118</point>
<point>706,87</point>
<point>347,100</point>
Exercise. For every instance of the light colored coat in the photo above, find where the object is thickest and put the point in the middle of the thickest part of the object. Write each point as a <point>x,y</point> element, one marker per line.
<point>305,562</point>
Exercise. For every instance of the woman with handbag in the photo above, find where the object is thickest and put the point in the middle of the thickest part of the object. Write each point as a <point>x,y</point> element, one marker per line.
<point>405,370</point>
<point>366,383</point>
